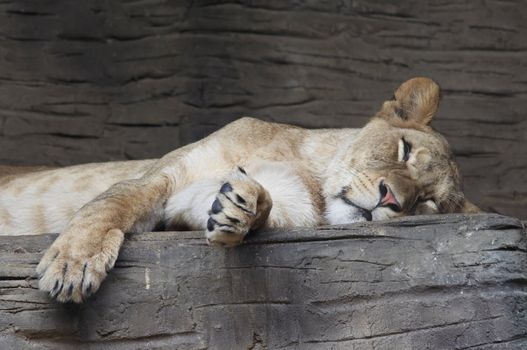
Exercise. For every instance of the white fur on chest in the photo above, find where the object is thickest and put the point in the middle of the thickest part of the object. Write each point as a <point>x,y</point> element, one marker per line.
<point>189,207</point>
<point>292,203</point>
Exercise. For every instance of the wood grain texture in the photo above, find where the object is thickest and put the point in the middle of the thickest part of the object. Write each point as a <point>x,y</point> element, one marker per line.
<point>430,282</point>
<point>106,80</point>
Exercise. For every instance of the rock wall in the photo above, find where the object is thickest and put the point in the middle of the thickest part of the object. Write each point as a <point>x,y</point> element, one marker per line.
<point>94,80</point>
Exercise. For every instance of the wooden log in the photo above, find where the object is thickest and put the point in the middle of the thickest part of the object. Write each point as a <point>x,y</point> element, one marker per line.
<point>430,282</point>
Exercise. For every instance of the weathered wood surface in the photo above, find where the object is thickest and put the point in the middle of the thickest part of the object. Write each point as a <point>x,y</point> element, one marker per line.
<point>97,80</point>
<point>436,282</point>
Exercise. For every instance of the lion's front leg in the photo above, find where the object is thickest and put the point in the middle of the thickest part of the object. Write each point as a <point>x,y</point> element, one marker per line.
<point>241,204</point>
<point>77,262</point>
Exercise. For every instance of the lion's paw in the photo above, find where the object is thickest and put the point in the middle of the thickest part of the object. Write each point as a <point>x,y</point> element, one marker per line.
<point>242,204</point>
<point>72,268</point>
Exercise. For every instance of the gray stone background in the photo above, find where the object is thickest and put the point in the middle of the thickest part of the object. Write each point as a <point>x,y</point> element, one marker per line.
<point>85,81</point>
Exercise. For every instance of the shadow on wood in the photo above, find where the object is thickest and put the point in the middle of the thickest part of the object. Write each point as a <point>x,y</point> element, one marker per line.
<point>436,282</point>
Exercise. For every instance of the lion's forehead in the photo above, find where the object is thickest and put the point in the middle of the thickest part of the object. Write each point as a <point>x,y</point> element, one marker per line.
<point>380,135</point>
<point>431,140</point>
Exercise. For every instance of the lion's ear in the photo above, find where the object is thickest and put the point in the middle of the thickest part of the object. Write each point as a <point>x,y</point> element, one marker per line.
<point>415,101</point>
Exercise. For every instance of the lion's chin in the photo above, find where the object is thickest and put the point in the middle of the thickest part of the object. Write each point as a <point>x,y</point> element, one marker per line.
<point>340,213</point>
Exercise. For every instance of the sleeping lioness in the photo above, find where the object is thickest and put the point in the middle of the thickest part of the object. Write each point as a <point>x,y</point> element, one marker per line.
<point>248,175</point>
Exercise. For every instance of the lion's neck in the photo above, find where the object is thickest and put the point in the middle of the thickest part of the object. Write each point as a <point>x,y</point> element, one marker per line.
<point>321,146</point>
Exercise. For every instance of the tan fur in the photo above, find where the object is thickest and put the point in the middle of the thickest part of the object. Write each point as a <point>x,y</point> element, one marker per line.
<point>48,182</point>
<point>5,217</point>
<point>309,177</point>
<point>39,218</point>
<point>83,183</point>
<point>7,170</point>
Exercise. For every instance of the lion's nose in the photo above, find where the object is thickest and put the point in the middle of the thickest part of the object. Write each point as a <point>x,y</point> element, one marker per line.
<point>388,198</point>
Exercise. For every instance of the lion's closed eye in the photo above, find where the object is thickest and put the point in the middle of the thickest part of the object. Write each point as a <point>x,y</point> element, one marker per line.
<point>405,148</point>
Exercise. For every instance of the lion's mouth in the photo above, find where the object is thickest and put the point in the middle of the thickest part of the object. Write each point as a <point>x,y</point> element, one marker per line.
<point>365,213</point>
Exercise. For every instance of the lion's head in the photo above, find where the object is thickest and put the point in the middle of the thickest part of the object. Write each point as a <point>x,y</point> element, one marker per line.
<point>397,165</point>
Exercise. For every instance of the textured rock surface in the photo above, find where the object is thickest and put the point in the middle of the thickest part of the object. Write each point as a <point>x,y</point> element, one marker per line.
<point>437,282</point>
<point>101,80</point>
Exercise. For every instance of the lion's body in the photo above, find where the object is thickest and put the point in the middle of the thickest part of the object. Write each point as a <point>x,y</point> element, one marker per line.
<point>247,175</point>
<point>288,161</point>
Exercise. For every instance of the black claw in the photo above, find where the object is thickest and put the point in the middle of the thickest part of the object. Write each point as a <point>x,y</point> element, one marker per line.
<point>55,289</point>
<point>84,272</point>
<point>55,292</point>
<point>242,170</point>
<point>65,268</point>
<point>216,207</point>
<point>240,199</point>
<point>87,291</point>
<point>60,288</point>
<point>226,187</point>
<point>210,224</point>
<point>70,290</point>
